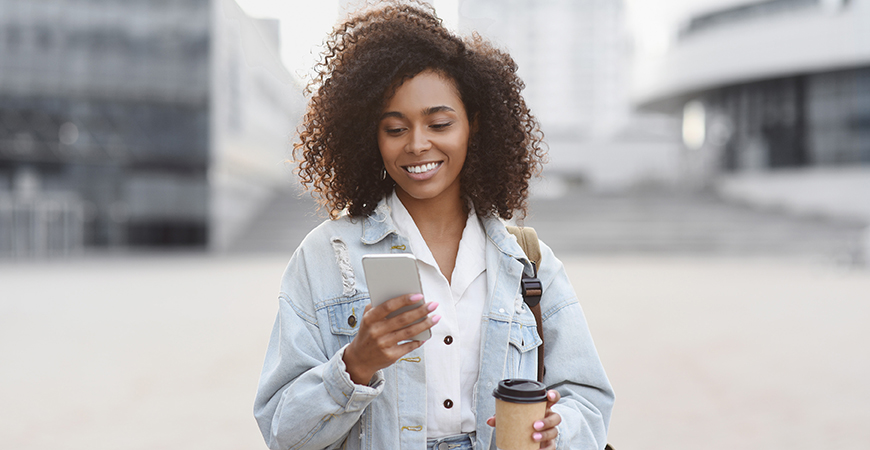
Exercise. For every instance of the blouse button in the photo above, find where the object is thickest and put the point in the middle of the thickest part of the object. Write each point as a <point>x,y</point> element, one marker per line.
<point>448,403</point>
<point>351,321</point>
<point>448,340</point>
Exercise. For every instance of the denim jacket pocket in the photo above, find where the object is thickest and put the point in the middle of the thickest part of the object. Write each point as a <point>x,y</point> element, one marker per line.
<point>523,355</point>
<point>345,316</point>
<point>525,337</point>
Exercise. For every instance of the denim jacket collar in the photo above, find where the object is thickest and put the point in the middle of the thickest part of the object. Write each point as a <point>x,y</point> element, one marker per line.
<point>377,226</point>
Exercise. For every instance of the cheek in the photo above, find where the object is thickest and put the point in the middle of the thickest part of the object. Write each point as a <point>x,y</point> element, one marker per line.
<point>389,151</point>
<point>383,147</point>
<point>381,144</point>
<point>460,151</point>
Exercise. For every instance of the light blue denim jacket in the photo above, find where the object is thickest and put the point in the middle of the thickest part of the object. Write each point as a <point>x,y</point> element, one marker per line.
<point>306,399</point>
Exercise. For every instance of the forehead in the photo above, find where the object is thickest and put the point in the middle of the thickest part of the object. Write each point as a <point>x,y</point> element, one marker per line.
<point>426,89</point>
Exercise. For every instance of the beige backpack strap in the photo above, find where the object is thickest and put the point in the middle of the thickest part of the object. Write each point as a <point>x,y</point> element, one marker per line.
<point>528,240</point>
<point>532,288</point>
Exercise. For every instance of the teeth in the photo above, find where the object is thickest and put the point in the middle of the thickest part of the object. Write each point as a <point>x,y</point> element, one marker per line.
<point>422,168</point>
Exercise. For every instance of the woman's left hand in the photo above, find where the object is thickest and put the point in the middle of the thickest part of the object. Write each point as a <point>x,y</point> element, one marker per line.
<point>545,430</point>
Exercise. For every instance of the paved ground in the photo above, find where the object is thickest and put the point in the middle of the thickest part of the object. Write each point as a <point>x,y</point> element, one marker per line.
<point>145,352</point>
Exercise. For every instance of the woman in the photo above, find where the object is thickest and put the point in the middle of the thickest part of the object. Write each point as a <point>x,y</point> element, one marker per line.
<point>420,142</point>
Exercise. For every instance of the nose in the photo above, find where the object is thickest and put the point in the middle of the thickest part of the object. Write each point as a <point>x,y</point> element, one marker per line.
<point>419,142</point>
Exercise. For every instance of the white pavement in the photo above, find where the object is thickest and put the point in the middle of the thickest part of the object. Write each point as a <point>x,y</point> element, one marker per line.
<point>164,352</point>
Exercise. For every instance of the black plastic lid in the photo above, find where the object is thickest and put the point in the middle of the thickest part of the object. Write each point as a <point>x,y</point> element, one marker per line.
<point>518,390</point>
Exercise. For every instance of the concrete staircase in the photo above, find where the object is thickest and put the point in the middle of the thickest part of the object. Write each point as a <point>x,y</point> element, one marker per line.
<point>281,225</point>
<point>683,223</point>
<point>655,222</point>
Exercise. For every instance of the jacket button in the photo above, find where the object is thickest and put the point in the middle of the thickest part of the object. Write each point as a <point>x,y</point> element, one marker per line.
<point>448,403</point>
<point>351,321</point>
<point>448,340</point>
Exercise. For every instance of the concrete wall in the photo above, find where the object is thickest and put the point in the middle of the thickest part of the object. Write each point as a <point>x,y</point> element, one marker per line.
<point>807,40</point>
<point>256,106</point>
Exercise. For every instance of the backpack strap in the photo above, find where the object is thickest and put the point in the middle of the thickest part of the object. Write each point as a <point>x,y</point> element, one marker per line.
<point>528,240</point>
<point>531,285</point>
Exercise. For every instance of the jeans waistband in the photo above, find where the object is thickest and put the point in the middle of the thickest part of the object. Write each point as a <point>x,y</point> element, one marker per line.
<point>463,441</point>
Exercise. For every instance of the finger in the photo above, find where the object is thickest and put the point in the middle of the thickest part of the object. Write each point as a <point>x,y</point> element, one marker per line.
<point>379,325</point>
<point>545,436</point>
<point>409,317</point>
<point>491,421</point>
<point>415,329</point>
<point>392,305</point>
<point>549,445</point>
<point>546,428</point>
<point>405,348</point>
<point>549,421</point>
<point>380,312</point>
<point>401,301</point>
<point>552,397</point>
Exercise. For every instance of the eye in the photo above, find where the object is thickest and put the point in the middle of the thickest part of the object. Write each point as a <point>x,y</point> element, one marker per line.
<point>393,130</point>
<point>441,126</point>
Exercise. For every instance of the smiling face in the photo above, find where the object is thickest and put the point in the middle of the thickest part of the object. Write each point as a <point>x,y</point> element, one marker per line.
<point>423,138</point>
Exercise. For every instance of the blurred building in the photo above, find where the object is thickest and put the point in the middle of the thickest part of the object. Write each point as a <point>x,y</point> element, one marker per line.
<point>137,122</point>
<point>574,56</point>
<point>775,97</point>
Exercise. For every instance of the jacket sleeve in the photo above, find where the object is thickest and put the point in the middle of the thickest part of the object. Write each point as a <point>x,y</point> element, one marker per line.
<point>572,363</point>
<point>306,399</point>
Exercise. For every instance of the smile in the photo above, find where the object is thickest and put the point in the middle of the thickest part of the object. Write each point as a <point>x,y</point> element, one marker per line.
<point>422,168</point>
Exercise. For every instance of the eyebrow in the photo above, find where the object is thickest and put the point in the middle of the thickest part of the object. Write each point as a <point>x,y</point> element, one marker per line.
<point>437,109</point>
<point>426,112</point>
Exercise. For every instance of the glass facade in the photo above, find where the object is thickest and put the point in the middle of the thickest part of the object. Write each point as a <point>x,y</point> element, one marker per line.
<point>809,120</point>
<point>838,111</point>
<point>106,104</point>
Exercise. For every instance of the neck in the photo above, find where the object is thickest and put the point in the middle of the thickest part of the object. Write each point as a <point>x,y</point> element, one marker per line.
<point>441,220</point>
<point>436,216</point>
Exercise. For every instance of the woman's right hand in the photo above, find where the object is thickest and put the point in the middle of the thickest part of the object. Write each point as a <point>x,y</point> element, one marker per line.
<point>376,345</point>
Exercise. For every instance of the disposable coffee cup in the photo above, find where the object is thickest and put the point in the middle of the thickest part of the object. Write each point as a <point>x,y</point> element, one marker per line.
<point>519,404</point>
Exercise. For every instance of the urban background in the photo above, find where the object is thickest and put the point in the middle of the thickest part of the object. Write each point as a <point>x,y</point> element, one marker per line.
<point>708,190</point>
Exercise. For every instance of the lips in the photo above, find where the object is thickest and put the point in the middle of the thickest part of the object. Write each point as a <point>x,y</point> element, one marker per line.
<point>422,171</point>
<point>422,168</point>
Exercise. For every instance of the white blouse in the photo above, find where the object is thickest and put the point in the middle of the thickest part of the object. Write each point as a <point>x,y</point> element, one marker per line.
<point>453,354</point>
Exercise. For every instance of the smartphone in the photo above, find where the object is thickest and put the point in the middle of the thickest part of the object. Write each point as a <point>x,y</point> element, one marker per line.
<point>391,275</point>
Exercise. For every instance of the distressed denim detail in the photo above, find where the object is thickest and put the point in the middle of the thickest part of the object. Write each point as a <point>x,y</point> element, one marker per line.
<point>348,279</point>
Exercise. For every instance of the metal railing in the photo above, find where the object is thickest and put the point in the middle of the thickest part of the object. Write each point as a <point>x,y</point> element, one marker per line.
<point>44,224</point>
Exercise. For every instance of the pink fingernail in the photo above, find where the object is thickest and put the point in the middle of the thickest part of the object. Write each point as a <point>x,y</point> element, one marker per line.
<point>537,436</point>
<point>432,306</point>
<point>417,297</point>
<point>552,395</point>
<point>435,319</point>
<point>539,425</point>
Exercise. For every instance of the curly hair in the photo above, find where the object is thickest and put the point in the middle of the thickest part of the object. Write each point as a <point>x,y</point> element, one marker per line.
<point>367,58</point>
